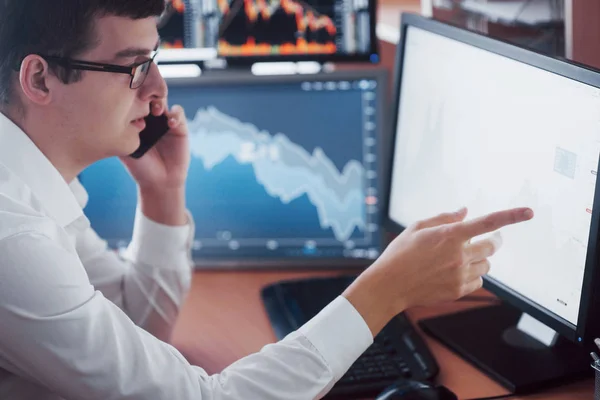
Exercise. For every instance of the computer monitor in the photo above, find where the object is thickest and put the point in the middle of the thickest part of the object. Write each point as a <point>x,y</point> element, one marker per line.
<point>284,171</point>
<point>248,31</point>
<point>171,26</point>
<point>327,31</point>
<point>487,125</point>
<point>186,37</point>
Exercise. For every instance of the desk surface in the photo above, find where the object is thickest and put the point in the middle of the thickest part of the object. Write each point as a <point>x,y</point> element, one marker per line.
<point>224,320</point>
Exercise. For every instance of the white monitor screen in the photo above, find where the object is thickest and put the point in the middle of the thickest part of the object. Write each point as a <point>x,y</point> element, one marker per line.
<point>481,130</point>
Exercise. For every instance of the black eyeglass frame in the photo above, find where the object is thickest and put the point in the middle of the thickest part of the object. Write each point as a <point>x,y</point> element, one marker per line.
<point>70,63</point>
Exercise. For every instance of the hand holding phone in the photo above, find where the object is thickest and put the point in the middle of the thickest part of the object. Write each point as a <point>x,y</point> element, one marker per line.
<point>156,128</point>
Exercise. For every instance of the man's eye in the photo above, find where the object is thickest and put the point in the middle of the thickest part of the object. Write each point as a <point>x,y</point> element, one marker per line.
<point>139,62</point>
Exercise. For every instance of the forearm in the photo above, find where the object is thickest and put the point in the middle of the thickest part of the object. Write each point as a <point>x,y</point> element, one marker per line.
<point>159,276</point>
<point>153,297</point>
<point>150,294</point>
<point>154,291</point>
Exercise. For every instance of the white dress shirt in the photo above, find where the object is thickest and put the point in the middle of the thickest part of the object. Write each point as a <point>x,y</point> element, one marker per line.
<point>79,322</point>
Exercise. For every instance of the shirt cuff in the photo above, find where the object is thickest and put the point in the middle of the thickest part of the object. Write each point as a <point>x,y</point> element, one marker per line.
<point>340,335</point>
<point>160,245</point>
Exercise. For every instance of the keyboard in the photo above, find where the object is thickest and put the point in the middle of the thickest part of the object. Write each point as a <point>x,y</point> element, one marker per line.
<point>398,352</point>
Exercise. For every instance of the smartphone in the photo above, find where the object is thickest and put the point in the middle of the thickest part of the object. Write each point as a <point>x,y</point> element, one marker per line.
<point>156,127</point>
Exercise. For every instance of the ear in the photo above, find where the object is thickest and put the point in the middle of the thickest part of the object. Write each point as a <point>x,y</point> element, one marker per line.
<point>34,79</point>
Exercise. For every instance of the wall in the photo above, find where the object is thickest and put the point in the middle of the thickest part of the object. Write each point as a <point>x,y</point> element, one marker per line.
<point>586,31</point>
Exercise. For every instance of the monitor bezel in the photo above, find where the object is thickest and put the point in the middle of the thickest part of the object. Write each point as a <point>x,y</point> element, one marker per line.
<point>374,51</point>
<point>585,328</point>
<point>245,78</point>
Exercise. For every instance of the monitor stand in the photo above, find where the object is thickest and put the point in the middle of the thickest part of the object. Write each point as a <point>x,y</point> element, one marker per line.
<point>488,338</point>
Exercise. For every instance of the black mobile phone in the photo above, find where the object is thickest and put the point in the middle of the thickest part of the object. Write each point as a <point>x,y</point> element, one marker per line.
<point>156,127</point>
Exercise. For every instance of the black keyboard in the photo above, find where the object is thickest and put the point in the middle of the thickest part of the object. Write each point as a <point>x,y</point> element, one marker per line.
<point>398,352</point>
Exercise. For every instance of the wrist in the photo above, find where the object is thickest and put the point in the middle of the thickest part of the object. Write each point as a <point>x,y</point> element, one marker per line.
<point>164,205</point>
<point>368,294</point>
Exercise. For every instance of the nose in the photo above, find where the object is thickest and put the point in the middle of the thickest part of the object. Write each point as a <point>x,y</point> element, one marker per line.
<point>154,87</point>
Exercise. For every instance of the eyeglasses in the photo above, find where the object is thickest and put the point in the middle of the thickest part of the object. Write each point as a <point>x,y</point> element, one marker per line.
<point>138,72</point>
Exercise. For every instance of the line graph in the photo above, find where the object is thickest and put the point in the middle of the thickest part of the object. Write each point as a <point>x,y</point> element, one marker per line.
<point>285,170</point>
<point>306,17</point>
<point>265,180</point>
<point>275,26</point>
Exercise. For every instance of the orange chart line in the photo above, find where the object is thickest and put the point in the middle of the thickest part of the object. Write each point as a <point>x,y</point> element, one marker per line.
<point>304,18</point>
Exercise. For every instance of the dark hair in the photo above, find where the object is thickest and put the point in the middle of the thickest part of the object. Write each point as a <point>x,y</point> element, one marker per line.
<point>57,27</point>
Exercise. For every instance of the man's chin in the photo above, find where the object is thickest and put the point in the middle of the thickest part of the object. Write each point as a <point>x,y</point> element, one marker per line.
<point>127,147</point>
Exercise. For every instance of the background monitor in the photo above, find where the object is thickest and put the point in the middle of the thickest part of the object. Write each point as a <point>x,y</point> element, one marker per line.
<point>182,40</point>
<point>284,171</point>
<point>483,124</point>
<point>171,26</point>
<point>247,31</point>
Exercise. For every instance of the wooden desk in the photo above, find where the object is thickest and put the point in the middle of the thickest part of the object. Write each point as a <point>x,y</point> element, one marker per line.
<point>224,320</point>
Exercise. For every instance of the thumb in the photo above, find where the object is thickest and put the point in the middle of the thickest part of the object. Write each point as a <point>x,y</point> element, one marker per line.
<point>442,219</point>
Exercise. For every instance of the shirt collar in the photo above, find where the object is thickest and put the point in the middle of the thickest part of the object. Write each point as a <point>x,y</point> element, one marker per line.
<point>23,158</point>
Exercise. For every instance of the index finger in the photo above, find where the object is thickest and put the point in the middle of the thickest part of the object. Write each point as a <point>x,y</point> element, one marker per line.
<point>491,222</point>
<point>176,112</point>
<point>176,116</point>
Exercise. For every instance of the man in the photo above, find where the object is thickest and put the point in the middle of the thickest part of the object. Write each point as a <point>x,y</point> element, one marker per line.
<point>77,322</point>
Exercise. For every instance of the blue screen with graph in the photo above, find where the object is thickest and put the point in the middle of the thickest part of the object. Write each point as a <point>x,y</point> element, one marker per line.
<point>281,168</point>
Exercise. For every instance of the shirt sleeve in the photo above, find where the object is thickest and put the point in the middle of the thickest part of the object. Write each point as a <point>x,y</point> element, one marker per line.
<point>58,331</point>
<point>150,280</point>
<point>339,334</point>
